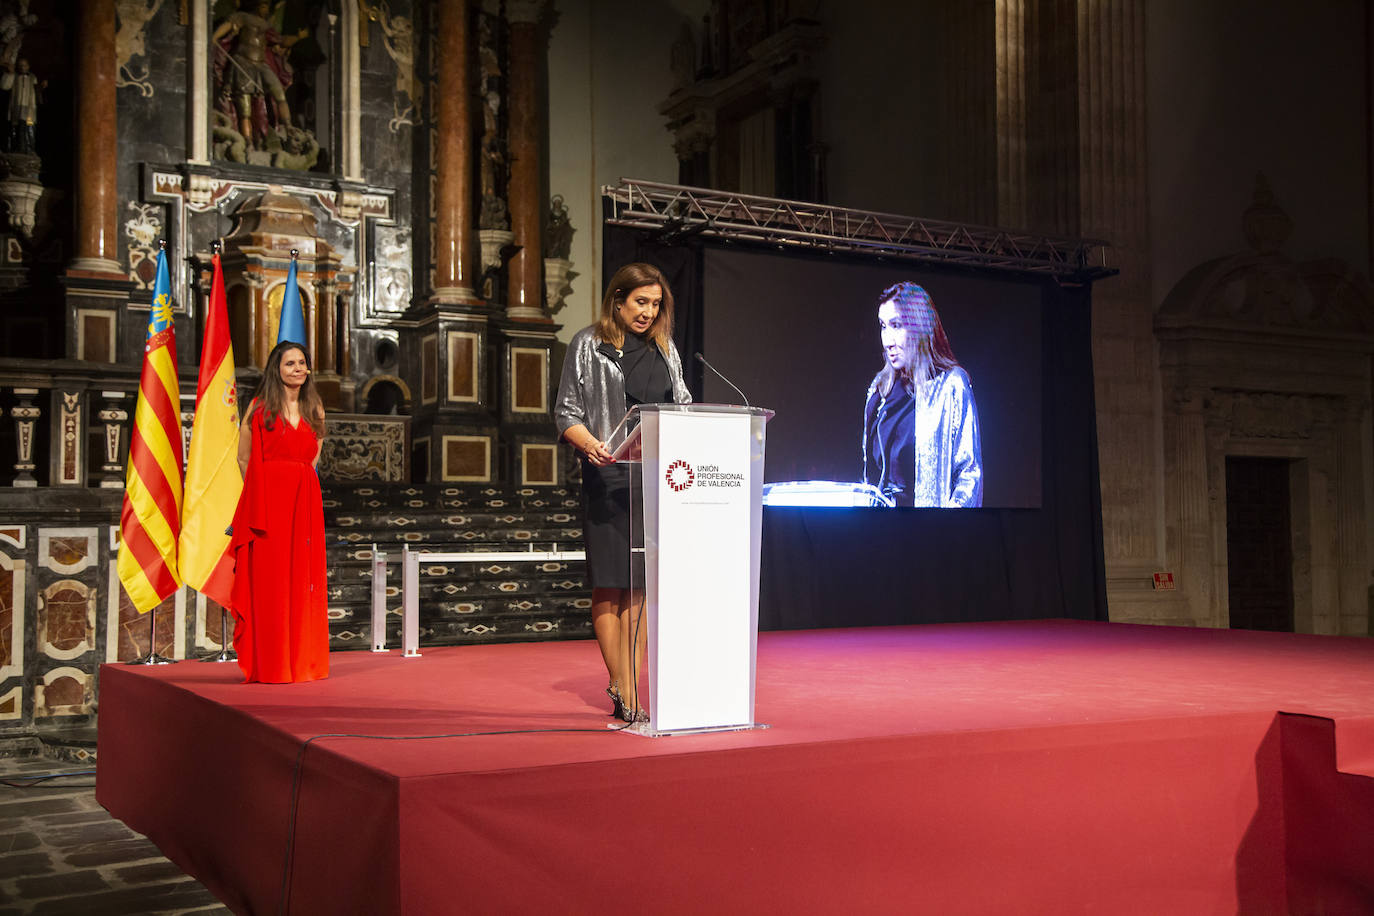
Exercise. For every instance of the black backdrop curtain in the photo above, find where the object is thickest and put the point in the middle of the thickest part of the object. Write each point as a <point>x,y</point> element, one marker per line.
<point>864,567</point>
<point>682,266</point>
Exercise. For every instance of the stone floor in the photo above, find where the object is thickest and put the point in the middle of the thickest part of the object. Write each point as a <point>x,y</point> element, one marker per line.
<point>61,853</point>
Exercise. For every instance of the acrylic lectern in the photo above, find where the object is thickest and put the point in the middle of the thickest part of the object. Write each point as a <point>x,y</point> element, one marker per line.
<point>697,511</point>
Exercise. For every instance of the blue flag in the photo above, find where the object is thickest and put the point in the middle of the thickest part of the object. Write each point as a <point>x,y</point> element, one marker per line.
<point>292,324</point>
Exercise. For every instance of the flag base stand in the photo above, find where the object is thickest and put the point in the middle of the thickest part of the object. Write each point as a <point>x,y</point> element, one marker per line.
<point>225,654</point>
<point>152,658</point>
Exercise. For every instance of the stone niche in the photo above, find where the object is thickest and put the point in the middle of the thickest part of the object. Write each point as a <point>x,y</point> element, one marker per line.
<point>1264,357</point>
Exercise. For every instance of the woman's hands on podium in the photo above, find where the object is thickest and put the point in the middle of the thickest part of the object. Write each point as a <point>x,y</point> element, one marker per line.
<point>598,454</point>
<point>592,448</point>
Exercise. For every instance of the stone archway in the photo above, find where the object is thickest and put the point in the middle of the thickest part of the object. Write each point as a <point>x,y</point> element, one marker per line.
<point>1261,356</point>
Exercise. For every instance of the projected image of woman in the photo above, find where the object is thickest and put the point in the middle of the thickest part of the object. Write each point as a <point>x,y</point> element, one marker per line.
<point>625,358</point>
<point>920,439</point>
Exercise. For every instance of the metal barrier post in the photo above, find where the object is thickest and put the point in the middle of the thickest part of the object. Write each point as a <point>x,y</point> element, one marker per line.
<point>378,600</point>
<point>410,606</point>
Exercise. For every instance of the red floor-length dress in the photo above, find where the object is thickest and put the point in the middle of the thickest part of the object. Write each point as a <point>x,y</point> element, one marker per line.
<point>281,631</point>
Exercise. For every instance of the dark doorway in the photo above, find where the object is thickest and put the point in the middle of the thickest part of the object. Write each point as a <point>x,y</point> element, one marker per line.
<point>1259,544</point>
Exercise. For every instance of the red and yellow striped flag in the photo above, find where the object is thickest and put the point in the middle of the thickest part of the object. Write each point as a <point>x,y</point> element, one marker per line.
<point>213,481</point>
<point>150,521</point>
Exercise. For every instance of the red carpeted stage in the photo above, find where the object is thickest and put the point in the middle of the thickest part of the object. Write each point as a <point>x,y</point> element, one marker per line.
<point>1028,767</point>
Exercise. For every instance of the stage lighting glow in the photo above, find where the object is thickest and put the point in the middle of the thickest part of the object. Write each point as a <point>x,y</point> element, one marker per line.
<point>824,493</point>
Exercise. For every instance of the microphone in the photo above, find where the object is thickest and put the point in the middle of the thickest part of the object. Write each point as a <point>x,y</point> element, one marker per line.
<point>701,359</point>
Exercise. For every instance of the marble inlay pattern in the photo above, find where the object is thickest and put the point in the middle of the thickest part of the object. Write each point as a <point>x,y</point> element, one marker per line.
<point>12,703</point>
<point>68,551</point>
<point>362,450</point>
<point>66,619</point>
<point>132,631</point>
<point>64,692</point>
<point>11,617</point>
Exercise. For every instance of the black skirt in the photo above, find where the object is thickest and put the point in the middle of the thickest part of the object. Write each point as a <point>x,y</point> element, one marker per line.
<point>606,504</point>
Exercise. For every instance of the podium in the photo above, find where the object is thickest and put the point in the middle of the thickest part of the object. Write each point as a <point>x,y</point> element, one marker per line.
<point>700,517</point>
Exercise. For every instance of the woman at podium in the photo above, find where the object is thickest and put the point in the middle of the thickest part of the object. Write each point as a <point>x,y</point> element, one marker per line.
<point>626,358</point>
<point>920,439</point>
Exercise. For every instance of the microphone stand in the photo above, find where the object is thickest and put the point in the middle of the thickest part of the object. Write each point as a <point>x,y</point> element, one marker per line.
<point>701,359</point>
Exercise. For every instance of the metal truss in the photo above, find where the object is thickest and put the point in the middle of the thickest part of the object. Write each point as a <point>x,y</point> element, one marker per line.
<point>677,212</point>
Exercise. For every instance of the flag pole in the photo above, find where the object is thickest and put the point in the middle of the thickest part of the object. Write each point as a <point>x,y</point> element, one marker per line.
<point>226,652</point>
<point>151,657</point>
<point>161,339</point>
<point>213,481</point>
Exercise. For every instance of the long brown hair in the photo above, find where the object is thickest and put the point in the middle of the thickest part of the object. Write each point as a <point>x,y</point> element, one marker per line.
<point>927,348</point>
<point>270,397</point>
<point>626,280</point>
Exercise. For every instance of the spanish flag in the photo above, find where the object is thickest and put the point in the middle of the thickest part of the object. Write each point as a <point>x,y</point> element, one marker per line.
<point>213,481</point>
<point>150,521</point>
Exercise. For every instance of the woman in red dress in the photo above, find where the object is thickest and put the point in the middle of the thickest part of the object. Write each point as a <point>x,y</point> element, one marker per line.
<point>281,631</point>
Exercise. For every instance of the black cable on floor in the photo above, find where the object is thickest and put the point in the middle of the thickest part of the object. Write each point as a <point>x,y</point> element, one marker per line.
<point>30,782</point>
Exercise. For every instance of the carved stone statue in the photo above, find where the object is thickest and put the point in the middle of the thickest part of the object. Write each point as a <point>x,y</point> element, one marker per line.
<point>558,232</point>
<point>252,73</point>
<point>15,18</point>
<point>25,95</point>
<point>228,143</point>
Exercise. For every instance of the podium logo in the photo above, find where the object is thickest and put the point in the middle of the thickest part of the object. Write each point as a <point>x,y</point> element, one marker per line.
<point>679,475</point>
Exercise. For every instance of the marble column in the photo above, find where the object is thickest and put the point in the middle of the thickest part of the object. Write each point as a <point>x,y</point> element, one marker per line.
<point>455,229</point>
<point>525,301</point>
<point>1011,113</point>
<point>1188,506</point>
<point>968,112</point>
<point>1112,202</point>
<point>1071,161</point>
<point>96,204</point>
<point>1352,546</point>
<point>198,106</point>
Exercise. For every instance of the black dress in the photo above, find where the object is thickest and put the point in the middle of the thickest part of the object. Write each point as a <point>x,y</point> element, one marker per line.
<point>892,455</point>
<point>606,497</point>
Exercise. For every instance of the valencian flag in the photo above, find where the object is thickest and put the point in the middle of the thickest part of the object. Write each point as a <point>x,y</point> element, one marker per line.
<point>291,326</point>
<point>213,481</point>
<point>150,521</point>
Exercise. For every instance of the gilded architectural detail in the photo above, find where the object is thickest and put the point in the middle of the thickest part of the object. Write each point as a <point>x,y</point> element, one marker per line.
<point>130,52</point>
<point>398,37</point>
<point>143,230</point>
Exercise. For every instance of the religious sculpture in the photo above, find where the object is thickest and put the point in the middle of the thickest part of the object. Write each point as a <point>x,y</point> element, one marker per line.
<point>252,74</point>
<point>14,19</point>
<point>492,167</point>
<point>25,91</point>
<point>398,37</point>
<point>558,232</point>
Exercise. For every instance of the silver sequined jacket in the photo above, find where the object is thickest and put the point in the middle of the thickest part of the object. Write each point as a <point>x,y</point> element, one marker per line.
<point>949,453</point>
<point>592,388</point>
